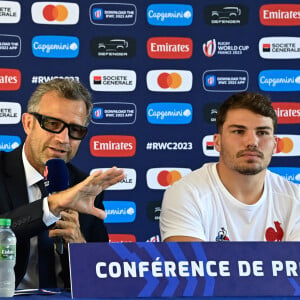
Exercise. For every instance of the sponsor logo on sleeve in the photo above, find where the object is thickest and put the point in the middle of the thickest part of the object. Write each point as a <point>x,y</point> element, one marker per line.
<point>10,45</point>
<point>128,183</point>
<point>9,143</point>
<point>170,14</point>
<point>114,113</point>
<point>170,47</point>
<point>226,15</point>
<point>121,238</point>
<point>113,145</point>
<point>225,80</point>
<point>113,80</point>
<point>10,79</point>
<point>169,80</point>
<point>280,47</point>
<point>55,13</point>
<point>119,211</point>
<point>280,14</point>
<point>10,12</point>
<point>161,178</point>
<point>279,80</point>
<point>289,173</point>
<point>113,47</point>
<point>55,46</point>
<point>113,14</point>
<point>10,113</point>
<point>287,112</point>
<point>169,113</point>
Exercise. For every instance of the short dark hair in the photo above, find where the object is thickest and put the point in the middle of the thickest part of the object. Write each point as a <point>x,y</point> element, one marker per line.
<point>255,102</point>
<point>66,88</point>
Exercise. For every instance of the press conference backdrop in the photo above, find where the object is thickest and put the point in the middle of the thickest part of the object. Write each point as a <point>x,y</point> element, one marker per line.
<point>157,70</point>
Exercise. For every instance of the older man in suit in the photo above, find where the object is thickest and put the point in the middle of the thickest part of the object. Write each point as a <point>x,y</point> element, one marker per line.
<point>56,120</point>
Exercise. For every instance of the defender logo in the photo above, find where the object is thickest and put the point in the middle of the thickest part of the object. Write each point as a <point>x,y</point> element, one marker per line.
<point>113,47</point>
<point>226,15</point>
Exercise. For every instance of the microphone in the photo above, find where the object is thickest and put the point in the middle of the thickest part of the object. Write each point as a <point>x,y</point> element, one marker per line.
<point>56,177</point>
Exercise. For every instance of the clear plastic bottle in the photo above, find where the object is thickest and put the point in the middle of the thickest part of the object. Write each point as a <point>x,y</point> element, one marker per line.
<point>7,259</point>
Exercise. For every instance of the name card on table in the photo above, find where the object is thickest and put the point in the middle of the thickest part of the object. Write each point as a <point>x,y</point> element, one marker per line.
<point>102,270</point>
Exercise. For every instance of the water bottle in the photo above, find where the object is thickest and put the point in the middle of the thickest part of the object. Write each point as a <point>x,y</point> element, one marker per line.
<point>7,259</point>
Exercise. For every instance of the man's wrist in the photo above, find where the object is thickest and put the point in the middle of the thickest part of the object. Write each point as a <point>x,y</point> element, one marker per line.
<point>53,205</point>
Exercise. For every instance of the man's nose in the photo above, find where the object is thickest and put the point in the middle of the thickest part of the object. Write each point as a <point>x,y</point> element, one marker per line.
<point>63,136</point>
<point>251,138</point>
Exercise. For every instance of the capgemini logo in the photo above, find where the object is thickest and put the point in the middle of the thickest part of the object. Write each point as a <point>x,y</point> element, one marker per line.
<point>74,46</point>
<point>209,48</point>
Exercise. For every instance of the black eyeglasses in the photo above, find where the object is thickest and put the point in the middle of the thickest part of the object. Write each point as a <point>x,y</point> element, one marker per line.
<point>76,132</point>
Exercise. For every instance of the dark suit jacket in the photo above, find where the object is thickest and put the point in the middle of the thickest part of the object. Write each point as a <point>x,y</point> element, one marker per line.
<point>27,217</point>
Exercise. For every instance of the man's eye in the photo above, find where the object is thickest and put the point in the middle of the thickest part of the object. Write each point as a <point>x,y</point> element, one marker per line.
<point>262,133</point>
<point>238,131</point>
<point>52,123</point>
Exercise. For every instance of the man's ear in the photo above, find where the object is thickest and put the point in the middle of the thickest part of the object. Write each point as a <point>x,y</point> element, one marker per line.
<point>27,121</point>
<point>217,142</point>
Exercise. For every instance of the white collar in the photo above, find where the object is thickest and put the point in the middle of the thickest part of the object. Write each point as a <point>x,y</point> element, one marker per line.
<point>31,174</point>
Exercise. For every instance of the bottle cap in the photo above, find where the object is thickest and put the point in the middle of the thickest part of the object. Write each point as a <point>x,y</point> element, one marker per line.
<point>5,222</point>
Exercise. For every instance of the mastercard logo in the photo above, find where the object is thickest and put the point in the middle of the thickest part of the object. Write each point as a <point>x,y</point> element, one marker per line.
<point>284,145</point>
<point>55,13</point>
<point>287,145</point>
<point>167,80</point>
<point>166,178</point>
<point>161,178</point>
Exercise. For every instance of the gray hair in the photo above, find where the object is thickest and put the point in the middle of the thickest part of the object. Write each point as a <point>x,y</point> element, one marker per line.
<point>66,88</point>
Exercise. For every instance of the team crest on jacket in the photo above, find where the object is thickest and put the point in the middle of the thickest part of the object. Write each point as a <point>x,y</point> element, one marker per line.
<point>222,235</point>
<point>274,235</point>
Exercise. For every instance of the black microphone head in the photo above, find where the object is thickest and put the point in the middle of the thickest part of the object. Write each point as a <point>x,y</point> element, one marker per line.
<point>56,175</point>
